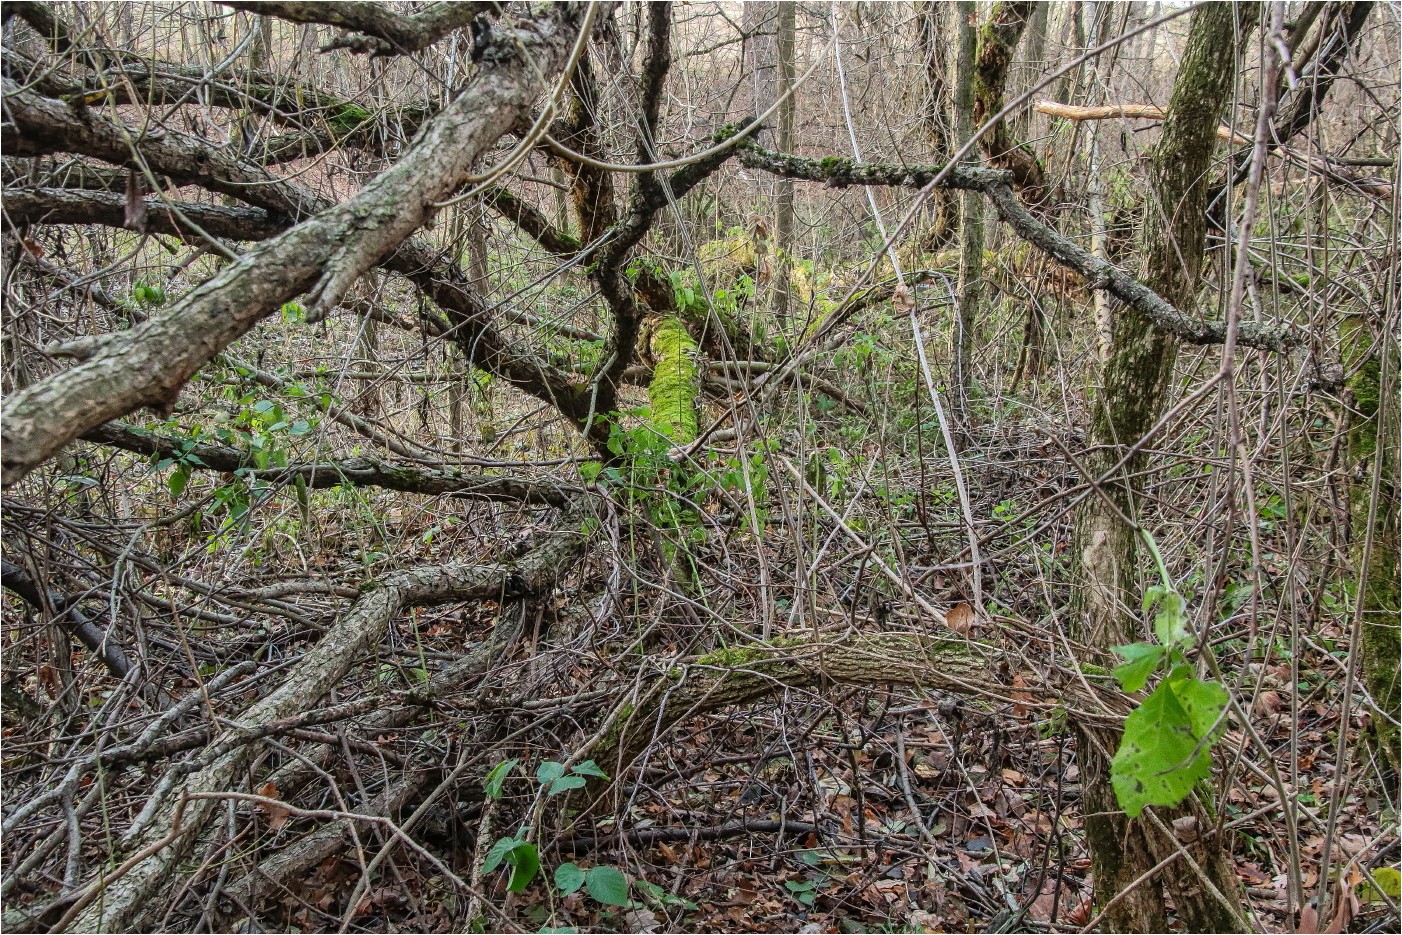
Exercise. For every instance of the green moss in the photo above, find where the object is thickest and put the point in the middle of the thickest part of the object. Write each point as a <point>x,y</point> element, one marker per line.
<point>347,117</point>
<point>734,657</point>
<point>676,381</point>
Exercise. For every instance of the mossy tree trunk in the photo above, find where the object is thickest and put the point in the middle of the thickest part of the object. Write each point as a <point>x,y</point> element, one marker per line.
<point>1134,385</point>
<point>970,218</point>
<point>940,114</point>
<point>784,188</point>
<point>1373,439</point>
<point>676,380</point>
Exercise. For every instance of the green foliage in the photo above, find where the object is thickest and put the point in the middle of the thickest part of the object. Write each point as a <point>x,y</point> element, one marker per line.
<point>520,855</point>
<point>1166,748</point>
<point>554,777</point>
<point>607,885</point>
<point>496,778</point>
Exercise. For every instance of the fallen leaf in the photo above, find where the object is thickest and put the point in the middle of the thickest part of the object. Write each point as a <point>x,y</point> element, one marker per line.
<point>960,618</point>
<point>277,815</point>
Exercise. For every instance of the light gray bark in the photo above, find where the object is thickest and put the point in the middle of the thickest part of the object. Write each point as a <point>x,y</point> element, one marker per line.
<point>322,256</point>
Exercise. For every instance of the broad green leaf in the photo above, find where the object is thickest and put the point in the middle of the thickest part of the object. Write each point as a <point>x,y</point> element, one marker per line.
<point>589,768</point>
<point>565,784</point>
<point>525,864</point>
<point>497,777</point>
<point>568,878</point>
<point>549,771</point>
<point>1160,759</point>
<point>608,885</point>
<point>497,854</point>
<point>1141,659</point>
<point>1204,703</point>
<point>178,479</point>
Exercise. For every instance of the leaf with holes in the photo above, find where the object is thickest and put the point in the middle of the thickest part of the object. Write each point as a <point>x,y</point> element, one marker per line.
<point>1160,759</point>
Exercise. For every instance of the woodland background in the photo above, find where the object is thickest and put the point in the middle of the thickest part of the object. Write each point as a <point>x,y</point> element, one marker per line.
<point>651,467</point>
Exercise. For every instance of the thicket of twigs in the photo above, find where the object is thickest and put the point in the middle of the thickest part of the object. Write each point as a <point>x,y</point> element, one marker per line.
<point>369,628</point>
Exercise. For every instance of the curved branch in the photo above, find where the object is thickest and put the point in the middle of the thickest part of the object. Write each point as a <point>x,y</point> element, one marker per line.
<point>381,31</point>
<point>360,471</point>
<point>1098,273</point>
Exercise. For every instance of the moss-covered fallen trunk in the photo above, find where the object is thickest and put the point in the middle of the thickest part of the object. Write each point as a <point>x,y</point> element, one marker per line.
<point>745,674</point>
<point>676,380</point>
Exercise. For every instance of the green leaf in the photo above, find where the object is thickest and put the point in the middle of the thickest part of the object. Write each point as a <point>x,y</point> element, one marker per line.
<point>1171,623</point>
<point>303,498</point>
<point>521,856</point>
<point>608,885</point>
<point>1204,703</point>
<point>565,784</point>
<point>1388,883</point>
<point>1160,758</point>
<point>178,479</point>
<point>549,771</point>
<point>525,864</point>
<point>589,768</point>
<point>497,854</point>
<point>497,777</point>
<point>568,878</point>
<point>1141,660</point>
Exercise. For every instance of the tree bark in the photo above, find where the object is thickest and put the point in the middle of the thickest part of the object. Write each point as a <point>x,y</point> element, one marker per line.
<point>323,255</point>
<point>971,212</point>
<point>1135,384</point>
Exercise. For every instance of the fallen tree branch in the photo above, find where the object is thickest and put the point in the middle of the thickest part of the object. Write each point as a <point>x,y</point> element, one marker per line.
<point>360,471</point>
<point>742,675</point>
<point>373,28</point>
<point>314,674</point>
<point>1098,273</point>
<point>161,216</point>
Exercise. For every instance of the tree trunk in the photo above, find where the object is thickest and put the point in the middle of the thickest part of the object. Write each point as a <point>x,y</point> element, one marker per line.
<point>1135,382</point>
<point>970,221</point>
<point>784,188</point>
<point>1373,502</point>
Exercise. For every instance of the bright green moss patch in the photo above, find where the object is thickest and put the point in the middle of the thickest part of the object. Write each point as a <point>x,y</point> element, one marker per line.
<point>676,381</point>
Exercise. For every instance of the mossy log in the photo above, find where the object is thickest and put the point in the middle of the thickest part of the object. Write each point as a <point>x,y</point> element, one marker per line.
<point>745,674</point>
<point>676,380</point>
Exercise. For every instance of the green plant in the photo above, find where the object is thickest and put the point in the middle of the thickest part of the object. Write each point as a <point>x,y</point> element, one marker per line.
<point>1168,738</point>
<point>555,779</point>
<point>605,884</point>
<point>518,854</point>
